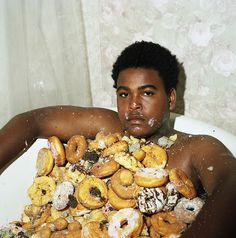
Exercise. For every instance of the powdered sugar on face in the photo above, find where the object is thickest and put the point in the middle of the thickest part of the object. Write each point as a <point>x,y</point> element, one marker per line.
<point>151,122</point>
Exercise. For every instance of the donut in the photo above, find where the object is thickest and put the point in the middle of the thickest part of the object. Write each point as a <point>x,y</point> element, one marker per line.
<point>76,148</point>
<point>39,220</point>
<point>60,223</point>
<point>44,162</point>
<point>120,146</point>
<point>94,229</point>
<point>92,192</point>
<point>58,174</point>
<point>85,164</point>
<point>72,174</point>
<point>186,210</point>
<point>139,154</point>
<point>105,167</point>
<point>41,191</point>
<point>151,177</point>
<point>166,223</point>
<point>128,161</point>
<point>122,182</point>
<point>61,195</point>
<point>102,141</point>
<point>172,196</point>
<point>155,156</point>
<point>132,219</point>
<point>182,183</point>
<point>117,202</point>
<point>151,200</point>
<point>57,149</point>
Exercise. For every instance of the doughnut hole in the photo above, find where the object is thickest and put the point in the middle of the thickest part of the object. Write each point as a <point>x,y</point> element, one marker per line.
<point>126,177</point>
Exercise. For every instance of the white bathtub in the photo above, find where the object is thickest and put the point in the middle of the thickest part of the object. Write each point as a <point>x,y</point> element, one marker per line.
<point>17,178</point>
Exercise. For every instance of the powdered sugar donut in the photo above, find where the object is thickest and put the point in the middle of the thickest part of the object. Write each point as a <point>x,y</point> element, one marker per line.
<point>151,177</point>
<point>186,210</point>
<point>61,195</point>
<point>172,196</point>
<point>134,221</point>
<point>151,200</point>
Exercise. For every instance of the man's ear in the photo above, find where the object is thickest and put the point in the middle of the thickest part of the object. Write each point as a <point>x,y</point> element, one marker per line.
<point>172,99</point>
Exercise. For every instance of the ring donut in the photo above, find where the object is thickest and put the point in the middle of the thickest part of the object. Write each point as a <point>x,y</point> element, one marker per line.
<point>122,182</point>
<point>186,210</point>
<point>166,223</point>
<point>156,156</point>
<point>76,148</point>
<point>41,191</point>
<point>151,200</point>
<point>61,195</point>
<point>151,177</point>
<point>92,192</point>
<point>117,202</point>
<point>105,168</point>
<point>182,183</point>
<point>57,149</point>
<point>129,216</point>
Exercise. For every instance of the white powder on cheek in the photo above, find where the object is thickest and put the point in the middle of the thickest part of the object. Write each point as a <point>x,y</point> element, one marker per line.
<point>126,116</point>
<point>151,122</point>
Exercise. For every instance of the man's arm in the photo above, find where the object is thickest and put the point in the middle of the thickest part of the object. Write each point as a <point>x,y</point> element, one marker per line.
<point>216,169</point>
<point>61,121</point>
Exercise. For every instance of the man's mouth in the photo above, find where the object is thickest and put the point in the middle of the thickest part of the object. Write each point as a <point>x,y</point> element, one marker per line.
<point>135,119</point>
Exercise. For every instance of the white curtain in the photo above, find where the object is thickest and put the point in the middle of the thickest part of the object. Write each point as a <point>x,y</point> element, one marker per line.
<point>43,59</point>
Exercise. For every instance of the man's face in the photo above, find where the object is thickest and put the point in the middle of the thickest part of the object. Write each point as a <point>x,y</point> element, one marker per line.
<point>142,101</point>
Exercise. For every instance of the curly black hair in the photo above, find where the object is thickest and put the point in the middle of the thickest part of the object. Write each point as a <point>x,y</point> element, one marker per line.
<point>151,56</point>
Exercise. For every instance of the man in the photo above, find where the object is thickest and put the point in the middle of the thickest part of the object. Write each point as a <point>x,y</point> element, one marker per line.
<point>145,76</point>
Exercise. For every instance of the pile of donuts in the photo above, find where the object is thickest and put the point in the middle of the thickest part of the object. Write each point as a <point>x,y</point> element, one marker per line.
<point>113,186</point>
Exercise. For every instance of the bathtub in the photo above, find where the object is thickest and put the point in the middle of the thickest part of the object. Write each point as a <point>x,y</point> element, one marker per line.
<point>18,177</point>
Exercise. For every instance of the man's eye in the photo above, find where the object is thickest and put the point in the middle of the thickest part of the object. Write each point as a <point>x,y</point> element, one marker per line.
<point>123,95</point>
<point>148,93</point>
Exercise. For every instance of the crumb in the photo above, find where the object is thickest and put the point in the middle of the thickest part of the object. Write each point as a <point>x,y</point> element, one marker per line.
<point>210,168</point>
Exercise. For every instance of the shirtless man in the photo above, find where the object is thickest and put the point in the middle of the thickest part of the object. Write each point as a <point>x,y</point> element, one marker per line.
<point>145,77</point>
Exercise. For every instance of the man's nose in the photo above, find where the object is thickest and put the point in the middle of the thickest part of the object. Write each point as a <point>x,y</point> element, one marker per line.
<point>135,104</point>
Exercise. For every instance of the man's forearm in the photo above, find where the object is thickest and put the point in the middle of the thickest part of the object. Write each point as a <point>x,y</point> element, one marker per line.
<point>217,217</point>
<point>15,136</point>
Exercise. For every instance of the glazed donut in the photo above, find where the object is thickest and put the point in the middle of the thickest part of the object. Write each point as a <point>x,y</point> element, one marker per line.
<point>105,167</point>
<point>122,182</point>
<point>61,195</point>
<point>151,177</point>
<point>41,191</point>
<point>151,200</point>
<point>128,161</point>
<point>44,162</point>
<point>117,202</point>
<point>172,196</point>
<point>133,220</point>
<point>57,149</point>
<point>92,192</point>
<point>166,223</point>
<point>94,229</point>
<point>186,210</point>
<point>76,148</point>
<point>120,146</point>
<point>182,183</point>
<point>155,156</point>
